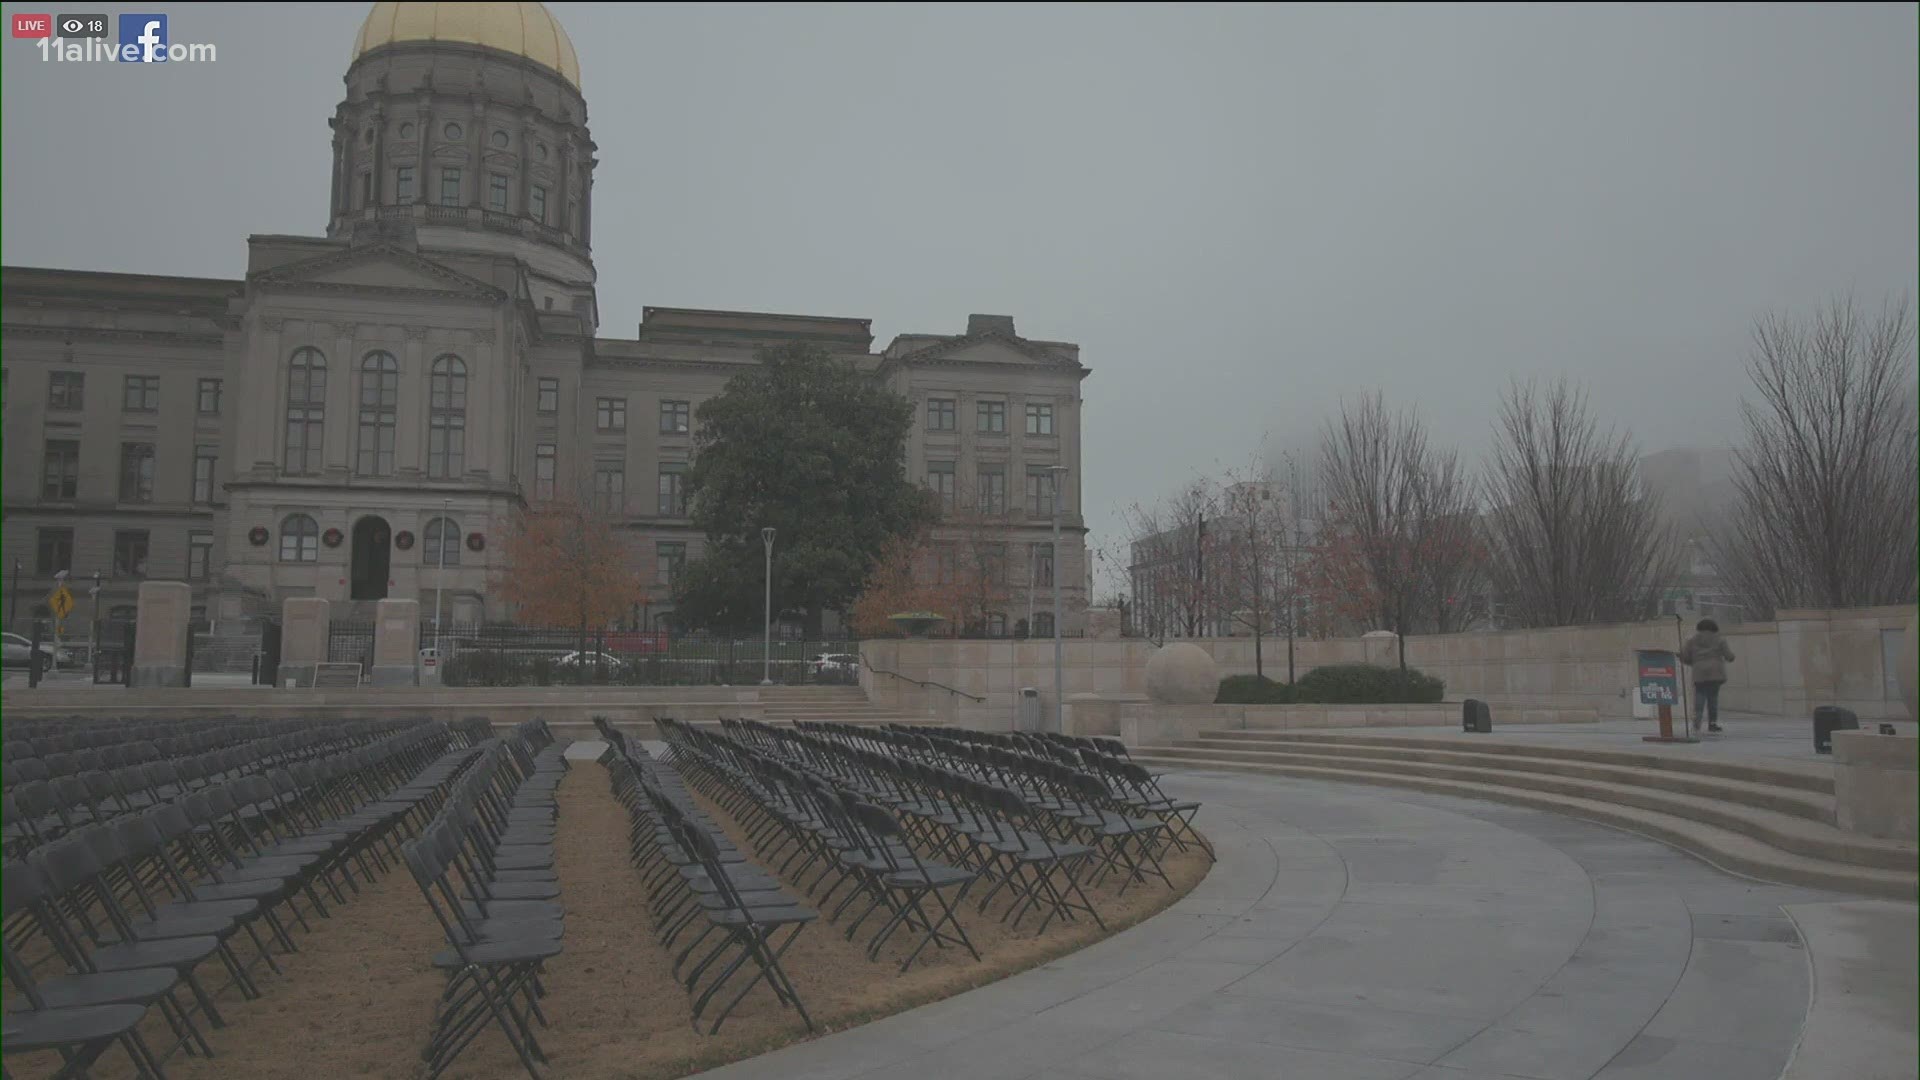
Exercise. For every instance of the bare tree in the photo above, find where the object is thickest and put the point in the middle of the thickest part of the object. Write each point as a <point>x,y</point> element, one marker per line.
<point>1390,497</point>
<point>1574,532</point>
<point>1824,508</point>
<point>1168,562</point>
<point>1451,571</point>
<point>1260,538</point>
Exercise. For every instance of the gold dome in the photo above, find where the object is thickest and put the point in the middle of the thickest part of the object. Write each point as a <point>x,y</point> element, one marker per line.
<point>527,30</point>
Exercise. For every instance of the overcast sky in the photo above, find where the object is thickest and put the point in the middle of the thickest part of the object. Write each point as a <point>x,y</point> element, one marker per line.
<point>1241,214</point>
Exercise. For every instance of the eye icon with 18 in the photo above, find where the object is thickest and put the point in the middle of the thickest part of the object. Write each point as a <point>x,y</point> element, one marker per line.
<point>80,26</point>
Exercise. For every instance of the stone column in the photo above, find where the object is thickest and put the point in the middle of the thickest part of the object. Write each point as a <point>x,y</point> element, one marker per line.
<point>160,634</point>
<point>396,643</point>
<point>304,622</point>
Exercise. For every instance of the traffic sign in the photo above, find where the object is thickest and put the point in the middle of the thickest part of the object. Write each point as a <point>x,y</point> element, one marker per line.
<point>60,602</point>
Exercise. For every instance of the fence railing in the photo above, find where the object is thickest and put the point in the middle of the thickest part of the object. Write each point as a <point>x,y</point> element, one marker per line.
<point>546,656</point>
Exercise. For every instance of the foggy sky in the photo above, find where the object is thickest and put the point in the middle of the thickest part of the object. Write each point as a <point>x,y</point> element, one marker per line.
<point>1241,214</point>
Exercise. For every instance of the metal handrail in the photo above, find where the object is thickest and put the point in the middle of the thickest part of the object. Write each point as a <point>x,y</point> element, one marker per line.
<point>864,662</point>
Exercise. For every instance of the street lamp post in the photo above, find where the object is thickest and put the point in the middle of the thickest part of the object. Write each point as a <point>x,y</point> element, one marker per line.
<point>440,580</point>
<point>766,655</point>
<point>1059,474</point>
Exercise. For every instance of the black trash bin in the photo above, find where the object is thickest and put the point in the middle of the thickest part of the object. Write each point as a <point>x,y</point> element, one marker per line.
<point>1828,719</point>
<point>1475,716</point>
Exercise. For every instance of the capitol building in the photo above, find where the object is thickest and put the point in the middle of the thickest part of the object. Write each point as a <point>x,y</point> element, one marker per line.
<point>359,406</point>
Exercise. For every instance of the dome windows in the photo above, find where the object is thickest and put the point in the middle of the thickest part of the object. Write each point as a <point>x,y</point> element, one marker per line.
<point>540,151</point>
<point>500,139</point>
<point>406,130</point>
<point>453,132</point>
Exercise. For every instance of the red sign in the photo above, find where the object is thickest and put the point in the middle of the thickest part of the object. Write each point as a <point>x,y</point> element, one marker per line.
<point>32,26</point>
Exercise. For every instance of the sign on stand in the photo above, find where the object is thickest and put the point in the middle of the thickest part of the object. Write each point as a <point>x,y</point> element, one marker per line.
<point>1657,692</point>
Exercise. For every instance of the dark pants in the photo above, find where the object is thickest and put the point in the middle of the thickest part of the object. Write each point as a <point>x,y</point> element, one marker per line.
<point>1706,700</point>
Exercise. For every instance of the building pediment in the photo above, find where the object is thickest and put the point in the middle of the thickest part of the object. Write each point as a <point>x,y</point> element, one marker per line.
<point>376,270</point>
<point>990,348</point>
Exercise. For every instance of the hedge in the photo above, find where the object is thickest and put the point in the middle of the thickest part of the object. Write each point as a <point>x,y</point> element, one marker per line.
<point>1335,684</point>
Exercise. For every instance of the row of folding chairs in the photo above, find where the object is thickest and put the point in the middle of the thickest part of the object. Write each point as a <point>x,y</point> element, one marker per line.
<point>126,913</point>
<point>41,808</point>
<point>1132,788</point>
<point>1039,854</point>
<point>485,866</point>
<point>703,890</point>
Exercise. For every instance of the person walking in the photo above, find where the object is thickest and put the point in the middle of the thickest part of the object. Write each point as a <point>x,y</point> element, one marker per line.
<point>1706,652</point>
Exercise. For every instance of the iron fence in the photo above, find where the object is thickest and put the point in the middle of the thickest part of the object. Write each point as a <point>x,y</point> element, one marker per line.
<point>553,656</point>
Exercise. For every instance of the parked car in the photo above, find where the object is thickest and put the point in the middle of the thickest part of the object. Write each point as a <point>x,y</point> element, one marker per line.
<point>589,663</point>
<point>15,649</point>
<point>836,665</point>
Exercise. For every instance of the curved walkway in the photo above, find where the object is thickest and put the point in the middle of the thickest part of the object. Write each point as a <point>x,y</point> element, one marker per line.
<point>1355,934</point>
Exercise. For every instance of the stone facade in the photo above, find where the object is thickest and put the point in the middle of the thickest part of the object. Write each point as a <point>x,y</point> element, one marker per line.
<point>306,430</point>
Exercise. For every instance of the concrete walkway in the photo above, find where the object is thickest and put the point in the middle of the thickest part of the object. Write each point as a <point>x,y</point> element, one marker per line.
<point>1361,934</point>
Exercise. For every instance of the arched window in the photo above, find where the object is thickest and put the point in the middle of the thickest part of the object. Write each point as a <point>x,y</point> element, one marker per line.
<point>440,540</point>
<point>447,420</point>
<point>379,406</point>
<point>996,625</point>
<point>306,410</point>
<point>299,539</point>
<point>1043,624</point>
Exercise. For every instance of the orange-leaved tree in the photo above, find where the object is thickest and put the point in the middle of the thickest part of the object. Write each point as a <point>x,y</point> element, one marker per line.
<point>564,564</point>
<point>958,569</point>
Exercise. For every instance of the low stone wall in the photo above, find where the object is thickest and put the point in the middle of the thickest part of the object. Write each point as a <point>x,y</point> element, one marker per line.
<point>570,708</point>
<point>1148,724</point>
<point>1876,784</point>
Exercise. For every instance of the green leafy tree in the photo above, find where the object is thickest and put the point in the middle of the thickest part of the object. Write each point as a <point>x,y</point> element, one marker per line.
<point>811,446</point>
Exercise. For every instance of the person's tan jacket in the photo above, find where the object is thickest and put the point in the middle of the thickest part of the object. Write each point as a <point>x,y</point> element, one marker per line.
<point>1707,653</point>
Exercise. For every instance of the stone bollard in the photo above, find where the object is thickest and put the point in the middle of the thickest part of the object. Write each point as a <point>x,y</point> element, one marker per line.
<point>396,643</point>
<point>160,635</point>
<point>304,625</point>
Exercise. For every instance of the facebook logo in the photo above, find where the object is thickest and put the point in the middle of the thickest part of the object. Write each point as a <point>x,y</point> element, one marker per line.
<point>143,39</point>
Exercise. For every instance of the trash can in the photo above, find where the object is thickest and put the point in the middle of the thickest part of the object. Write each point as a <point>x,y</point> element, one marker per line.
<point>1475,716</point>
<point>1029,718</point>
<point>1828,719</point>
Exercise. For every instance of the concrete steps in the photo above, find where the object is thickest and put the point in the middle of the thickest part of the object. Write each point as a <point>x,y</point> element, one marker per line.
<point>840,704</point>
<point>1744,822</point>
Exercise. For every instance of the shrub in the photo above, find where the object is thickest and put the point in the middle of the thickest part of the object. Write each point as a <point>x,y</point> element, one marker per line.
<point>1368,684</point>
<point>1253,690</point>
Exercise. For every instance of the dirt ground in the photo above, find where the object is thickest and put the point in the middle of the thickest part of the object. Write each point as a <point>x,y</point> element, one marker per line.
<point>357,1000</point>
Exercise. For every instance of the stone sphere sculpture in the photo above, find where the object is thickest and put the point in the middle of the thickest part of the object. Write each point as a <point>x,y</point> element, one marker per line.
<point>1909,662</point>
<point>1182,674</point>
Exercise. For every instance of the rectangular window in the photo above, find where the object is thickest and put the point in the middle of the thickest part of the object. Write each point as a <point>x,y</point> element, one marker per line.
<point>610,414</point>
<point>205,458</point>
<point>54,552</point>
<point>1042,563</point>
<point>993,562</point>
<point>1039,418</point>
<point>207,398</point>
<point>130,553</point>
<point>668,558</point>
<point>136,472</point>
<point>497,192</point>
<point>992,417</point>
<point>199,556</point>
<point>403,184</point>
<point>538,205</point>
<point>991,497</point>
<point>449,187</point>
<point>142,394</point>
<point>544,460</point>
<point>673,489</point>
<point>610,486</point>
<point>1039,491</point>
<point>60,474</point>
<point>940,482</point>
<point>66,390</point>
<point>675,417</point>
<point>940,413</point>
<point>1042,624</point>
<point>548,401</point>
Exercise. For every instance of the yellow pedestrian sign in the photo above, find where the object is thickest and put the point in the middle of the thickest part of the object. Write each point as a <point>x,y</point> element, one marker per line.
<point>60,602</point>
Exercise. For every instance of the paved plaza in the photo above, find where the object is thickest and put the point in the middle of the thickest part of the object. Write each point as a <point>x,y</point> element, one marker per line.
<point>1364,934</point>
